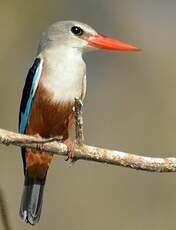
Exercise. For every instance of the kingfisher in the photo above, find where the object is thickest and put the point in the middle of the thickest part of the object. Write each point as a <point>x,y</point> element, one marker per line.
<point>56,78</point>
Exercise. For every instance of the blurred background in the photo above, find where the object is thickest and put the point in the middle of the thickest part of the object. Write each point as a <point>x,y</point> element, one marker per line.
<point>130,106</point>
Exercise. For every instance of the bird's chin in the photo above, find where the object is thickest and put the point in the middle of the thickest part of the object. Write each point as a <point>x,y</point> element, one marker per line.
<point>89,48</point>
<point>85,48</point>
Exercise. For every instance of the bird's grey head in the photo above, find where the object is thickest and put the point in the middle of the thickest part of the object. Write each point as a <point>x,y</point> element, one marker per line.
<point>71,34</point>
<point>77,35</point>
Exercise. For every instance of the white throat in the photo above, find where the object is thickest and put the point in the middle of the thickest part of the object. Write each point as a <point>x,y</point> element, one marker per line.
<point>64,73</point>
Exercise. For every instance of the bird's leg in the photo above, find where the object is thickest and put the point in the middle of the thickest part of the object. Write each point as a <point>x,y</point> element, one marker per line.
<point>70,149</point>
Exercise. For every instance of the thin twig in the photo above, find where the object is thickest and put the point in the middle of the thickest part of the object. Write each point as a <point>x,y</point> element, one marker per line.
<point>79,122</point>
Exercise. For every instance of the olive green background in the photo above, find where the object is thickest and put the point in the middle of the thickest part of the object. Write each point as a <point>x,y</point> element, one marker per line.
<point>130,106</point>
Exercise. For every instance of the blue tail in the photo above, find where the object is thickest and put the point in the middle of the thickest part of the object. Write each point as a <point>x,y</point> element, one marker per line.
<point>31,202</point>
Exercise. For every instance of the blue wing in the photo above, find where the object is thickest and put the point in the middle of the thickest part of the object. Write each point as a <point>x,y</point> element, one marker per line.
<point>30,87</point>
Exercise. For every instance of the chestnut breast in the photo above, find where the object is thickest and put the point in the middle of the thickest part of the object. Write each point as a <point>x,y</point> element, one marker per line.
<point>49,119</point>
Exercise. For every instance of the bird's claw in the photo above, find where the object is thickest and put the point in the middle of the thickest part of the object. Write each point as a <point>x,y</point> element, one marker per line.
<point>70,149</point>
<point>40,146</point>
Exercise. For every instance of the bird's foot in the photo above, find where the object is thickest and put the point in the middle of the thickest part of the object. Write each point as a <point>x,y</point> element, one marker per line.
<point>39,145</point>
<point>70,149</point>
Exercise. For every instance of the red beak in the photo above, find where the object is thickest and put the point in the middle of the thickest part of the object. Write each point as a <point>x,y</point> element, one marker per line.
<point>103,42</point>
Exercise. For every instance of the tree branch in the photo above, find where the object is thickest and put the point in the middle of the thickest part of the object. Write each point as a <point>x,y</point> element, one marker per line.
<point>86,152</point>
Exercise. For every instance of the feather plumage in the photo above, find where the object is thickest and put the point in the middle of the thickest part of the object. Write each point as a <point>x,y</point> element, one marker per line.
<point>28,93</point>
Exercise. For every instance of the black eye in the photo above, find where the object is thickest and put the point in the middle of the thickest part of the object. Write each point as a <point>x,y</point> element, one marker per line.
<point>77,30</point>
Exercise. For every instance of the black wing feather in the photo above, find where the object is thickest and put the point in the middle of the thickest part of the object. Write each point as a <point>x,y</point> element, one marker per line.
<point>25,97</point>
